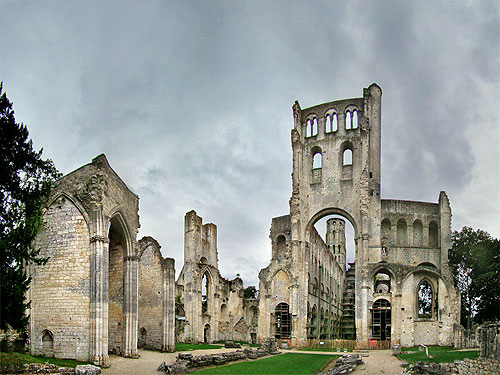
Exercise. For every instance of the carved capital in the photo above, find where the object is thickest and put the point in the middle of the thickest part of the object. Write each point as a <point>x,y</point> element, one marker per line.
<point>99,238</point>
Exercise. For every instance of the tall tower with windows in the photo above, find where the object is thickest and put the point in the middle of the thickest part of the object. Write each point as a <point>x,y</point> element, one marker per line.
<point>336,171</point>
<point>335,240</point>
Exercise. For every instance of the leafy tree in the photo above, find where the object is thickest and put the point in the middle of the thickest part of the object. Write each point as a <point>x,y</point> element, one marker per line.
<point>250,292</point>
<point>25,182</point>
<point>475,261</point>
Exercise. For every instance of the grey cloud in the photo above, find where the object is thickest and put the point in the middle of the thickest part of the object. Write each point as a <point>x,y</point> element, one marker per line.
<point>191,101</point>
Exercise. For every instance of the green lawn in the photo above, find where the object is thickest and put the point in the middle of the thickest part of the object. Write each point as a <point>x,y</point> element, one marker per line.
<point>290,363</point>
<point>182,347</point>
<point>439,354</point>
<point>13,358</point>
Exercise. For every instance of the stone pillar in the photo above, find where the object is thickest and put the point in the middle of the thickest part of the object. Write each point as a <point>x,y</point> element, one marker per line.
<point>131,305</point>
<point>99,253</point>
<point>168,305</point>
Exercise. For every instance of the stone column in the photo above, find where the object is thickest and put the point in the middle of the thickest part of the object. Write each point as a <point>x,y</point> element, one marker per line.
<point>168,305</point>
<point>215,321</point>
<point>99,254</point>
<point>131,305</point>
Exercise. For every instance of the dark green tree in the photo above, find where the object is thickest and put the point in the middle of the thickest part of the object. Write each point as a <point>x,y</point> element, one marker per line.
<point>250,292</point>
<point>475,262</point>
<point>25,181</point>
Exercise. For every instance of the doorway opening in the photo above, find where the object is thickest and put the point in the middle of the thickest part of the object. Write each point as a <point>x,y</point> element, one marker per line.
<point>283,321</point>
<point>381,320</point>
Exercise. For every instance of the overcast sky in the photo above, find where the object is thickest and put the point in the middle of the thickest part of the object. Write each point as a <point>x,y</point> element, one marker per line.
<point>191,102</point>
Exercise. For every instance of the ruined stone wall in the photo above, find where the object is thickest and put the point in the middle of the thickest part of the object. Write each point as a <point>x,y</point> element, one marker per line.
<point>336,171</point>
<point>156,322</point>
<point>325,289</point>
<point>221,314</point>
<point>60,290</point>
<point>150,300</point>
<point>91,240</point>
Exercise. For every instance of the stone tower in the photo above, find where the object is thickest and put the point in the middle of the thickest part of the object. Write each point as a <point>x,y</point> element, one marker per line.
<point>335,240</point>
<point>336,170</point>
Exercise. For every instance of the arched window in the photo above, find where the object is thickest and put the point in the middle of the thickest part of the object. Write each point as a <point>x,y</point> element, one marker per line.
<point>417,233</point>
<point>347,157</point>
<point>205,293</point>
<point>315,126</point>
<point>334,123</point>
<point>402,233</point>
<point>283,321</point>
<point>328,123</point>
<point>308,128</point>
<point>433,234</point>
<point>355,119</point>
<point>348,124</point>
<point>315,287</point>
<point>424,300</point>
<point>382,282</point>
<point>317,160</point>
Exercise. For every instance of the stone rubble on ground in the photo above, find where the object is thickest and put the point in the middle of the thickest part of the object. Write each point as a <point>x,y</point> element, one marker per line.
<point>232,345</point>
<point>186,362</point>
<point>345,364</point>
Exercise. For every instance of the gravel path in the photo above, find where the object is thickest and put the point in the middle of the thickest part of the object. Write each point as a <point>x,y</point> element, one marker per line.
<point>379,362</point>
<point>148,362</point>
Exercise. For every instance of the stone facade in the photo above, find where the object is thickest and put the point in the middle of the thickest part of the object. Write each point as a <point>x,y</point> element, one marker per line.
<point>214,308</point>
<point>84,300</point>
<point>401,247</point>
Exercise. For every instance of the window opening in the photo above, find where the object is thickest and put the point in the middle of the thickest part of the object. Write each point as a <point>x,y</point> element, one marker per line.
<point>317,160</point>
<point>424,300</point>
<point>204,294</point>
<point>382,283</point>
<point>328,123</point>
<point>334,123</point>
<point>308,128</point>
<point>348,123</point>
<point>355,119</point>
<point>347,157</point>
<point>315,126</point>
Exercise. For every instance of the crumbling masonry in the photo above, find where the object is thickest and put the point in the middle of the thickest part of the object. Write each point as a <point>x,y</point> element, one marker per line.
<point>102,291</point>
<point>400,287</point>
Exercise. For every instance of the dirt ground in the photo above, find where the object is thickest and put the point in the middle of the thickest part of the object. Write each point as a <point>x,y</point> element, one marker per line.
<point>148,362</point>
<point>379,362</point>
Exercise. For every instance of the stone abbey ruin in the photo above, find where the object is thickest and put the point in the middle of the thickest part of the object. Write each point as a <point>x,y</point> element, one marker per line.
<point>104,291</point>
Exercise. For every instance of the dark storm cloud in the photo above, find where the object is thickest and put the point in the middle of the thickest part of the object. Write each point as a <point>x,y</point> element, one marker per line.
<point>191,102</point>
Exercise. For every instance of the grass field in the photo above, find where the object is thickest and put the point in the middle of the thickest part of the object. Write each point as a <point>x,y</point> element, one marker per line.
<point>181,347</point>
<point>13,358</point>
<point>290,363</point>
<point>439,354</point>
